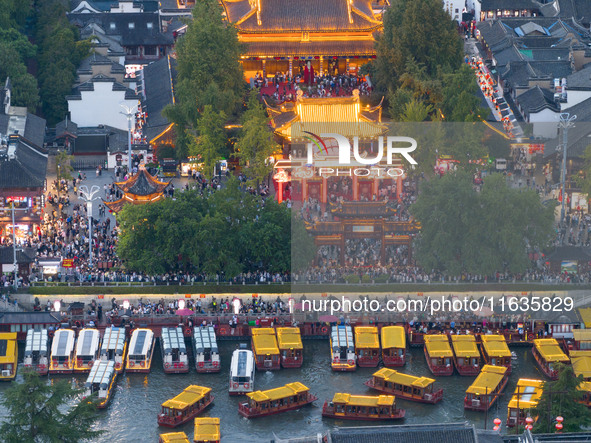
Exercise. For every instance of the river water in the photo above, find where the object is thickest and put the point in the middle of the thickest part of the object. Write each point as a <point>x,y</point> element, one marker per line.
<point>131,414</point>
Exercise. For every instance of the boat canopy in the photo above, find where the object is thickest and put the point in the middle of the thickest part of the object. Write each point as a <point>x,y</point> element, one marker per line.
<point>581,361</point>
<point>363,400</point>
<point>488,380</point>
<point>37,341</point>
<point>495,346</point>
<point>288,390</point>
<point>63,343</point>
<point>583,335</point>
<point>207,429</point>
<point>7,347</point>
<point>204,337</point>
<point>464,346</point>
<point>550,350</point>
<point>342,337</point>
<point>101,374</point>
<point>88,342</point>
<point>585,386</point>
<point>173,338</point>
<point>438,346</point>
<point>585,314</point>
<point>289,338</point>
<point>366,337</point>
<point>393,337</point>
<point>141,341</point>
<point>174,437</point>
<point>392,376</point>
<point>264,341</point>
<point>242,363</point>
<point>527,394</point>
<point>113,340</point>
<point>191,395</point>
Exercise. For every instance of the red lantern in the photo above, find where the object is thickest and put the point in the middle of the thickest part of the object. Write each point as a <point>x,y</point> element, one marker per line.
<point>529,420</point>
<point>497,421</point>
<point>559,426</point>
<point>529,427</point>
<point>559,419</point>
<point>496,428</point>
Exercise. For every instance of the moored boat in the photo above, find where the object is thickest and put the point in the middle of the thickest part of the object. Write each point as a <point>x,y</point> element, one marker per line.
<point>141,351</point>
<point>36,351</point>
<point>438,354</point>
<point>205,347</point>
<point>362,407</point>
<point>582,339</point>
<point>547,353</point>
<point>526,396</point>
<point>342,349</point>
<point>87,349</point>
<point>367,346</point>
<point>495,351</point>
<point>405,386</point>
<point>114,347</point>
<point>273,401</point>
<point>290,345</point>
<point>185,406</point>
<point>581,362</point>
<point>100,381</point>
<point>487,388</point>
<point>174,437</point>
<point>174,351</point>
<point>207,430</point>
<point>242,369</point>
<point>264,347</point>
<point>393,346</point>
<point>466,355</point>
<point>586,388</point>
<point>8,356</point>
<point>62,352</point>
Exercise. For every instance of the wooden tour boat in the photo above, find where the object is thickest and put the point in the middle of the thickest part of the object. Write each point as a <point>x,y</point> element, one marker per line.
<point>207,430</point>
<point>273,401</point>
<point>242,370</point>
<point>291,348</point>
<point>62,352</point>
<point>495,351</point>
<point>185,406</point>
<point>526,396</point>
<point>8,356</point>
<point>265,349</point>
<point>466,354</point>
<point>205,347</point>
<point>100,381</point>
<point>141,351</point>
<point>487,388</point>
<point>114,347</point>
<point>87,349</point>
<point>586,388</point>
<point>582,339</point>
<point>342,349</point>
<point>174,351</point>
<point>547,353</point>
<point>367,346</point>
<point>36,351</point>
<point>393,346</point>
<point>362,407</point>
<point>174,437</point>
<point>581,362</point>
<point>408,387</point>
<point>438,354</point>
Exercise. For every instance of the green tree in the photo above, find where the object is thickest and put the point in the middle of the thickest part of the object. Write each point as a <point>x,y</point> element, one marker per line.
<point>416,111</point>
<point>561,398</point>
<point>463,230</point>
<point>460,102</point>
<point>43,412</point>
<point>255,144</point>
<point>210,145</point>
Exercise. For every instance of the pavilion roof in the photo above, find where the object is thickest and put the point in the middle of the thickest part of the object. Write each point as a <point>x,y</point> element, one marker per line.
<point>142,184</point>
<point>133,199</point>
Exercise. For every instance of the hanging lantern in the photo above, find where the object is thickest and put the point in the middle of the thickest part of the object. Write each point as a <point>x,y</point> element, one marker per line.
<point>529,420</point>
<point>529,427</point>
<point>559,427</point>
<point>559,419</point>
<point>497,421</point>
<point>496,428</point>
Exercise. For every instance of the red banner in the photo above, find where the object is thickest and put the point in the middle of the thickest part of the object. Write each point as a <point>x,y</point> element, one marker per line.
<point>68,263</point>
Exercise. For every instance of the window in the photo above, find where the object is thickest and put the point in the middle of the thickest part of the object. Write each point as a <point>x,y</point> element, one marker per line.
<point>112,25</point>
<point>457,10</point>
<point>131,25</point>
<point>149,25</point>
<point>149,50</point>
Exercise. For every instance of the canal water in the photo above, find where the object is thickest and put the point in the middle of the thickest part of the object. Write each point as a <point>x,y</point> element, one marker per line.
<point>131,414</point>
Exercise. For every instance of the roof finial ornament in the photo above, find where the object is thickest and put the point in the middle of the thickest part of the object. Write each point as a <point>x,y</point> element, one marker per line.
<point>259,22</point>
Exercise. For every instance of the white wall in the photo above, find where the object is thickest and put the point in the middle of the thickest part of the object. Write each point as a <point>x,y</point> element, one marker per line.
<point>100,107</point>
<point>451,5</point>
<point>545,123</point>
<point>574,98</point>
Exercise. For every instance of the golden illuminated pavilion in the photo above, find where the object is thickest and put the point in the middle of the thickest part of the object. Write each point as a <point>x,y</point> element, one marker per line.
<point>279,35</point>
<point>139,189</point>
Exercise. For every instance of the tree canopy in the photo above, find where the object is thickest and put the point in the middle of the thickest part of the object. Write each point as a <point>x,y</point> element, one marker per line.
<point>481,232</point>
<point>226,232</point>
<point>43,412</point>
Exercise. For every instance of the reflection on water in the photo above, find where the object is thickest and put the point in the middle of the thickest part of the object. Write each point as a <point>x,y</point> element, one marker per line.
<point>131,415</point>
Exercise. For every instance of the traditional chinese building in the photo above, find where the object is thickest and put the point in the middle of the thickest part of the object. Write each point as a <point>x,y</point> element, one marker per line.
<point>281,35</point>
<point>140,189</point>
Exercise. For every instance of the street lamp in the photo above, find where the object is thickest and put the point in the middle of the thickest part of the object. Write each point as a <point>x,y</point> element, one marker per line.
<point>566,122</point>
<point>89,197</point>
<point>182,304</point>
<point>236,304</point>
<point>129,113</point>
<point>57,305</point>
